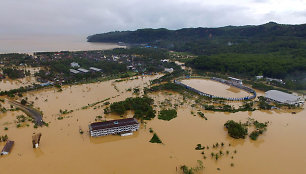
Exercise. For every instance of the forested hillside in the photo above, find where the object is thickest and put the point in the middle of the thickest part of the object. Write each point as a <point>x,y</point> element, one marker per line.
<point>273,50</point>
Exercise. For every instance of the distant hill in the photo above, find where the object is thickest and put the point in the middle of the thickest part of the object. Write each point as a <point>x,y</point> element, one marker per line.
<point>261,38</point>
<point>273,50</point>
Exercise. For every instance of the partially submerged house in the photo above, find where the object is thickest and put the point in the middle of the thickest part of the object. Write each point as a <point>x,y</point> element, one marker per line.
<point>122,126</point>
<point>7,148</point>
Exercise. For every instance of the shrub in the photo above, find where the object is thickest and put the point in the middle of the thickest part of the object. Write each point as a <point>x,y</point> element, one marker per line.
<point>155,139</point>
<point>167,114</point>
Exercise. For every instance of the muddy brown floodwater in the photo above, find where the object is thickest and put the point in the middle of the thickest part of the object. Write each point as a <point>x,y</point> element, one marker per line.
<point>215,88</point>
<point>281,149</point>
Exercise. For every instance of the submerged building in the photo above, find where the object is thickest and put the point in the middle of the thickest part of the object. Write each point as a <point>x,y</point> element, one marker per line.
<point>7,148</point>
<point>121,126</point>
<point>283,98</point>
<point>235,80</point>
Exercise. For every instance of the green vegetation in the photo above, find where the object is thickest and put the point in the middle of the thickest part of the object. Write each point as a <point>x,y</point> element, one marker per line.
<point>260,128</point>
<point>192,170</point>
<point>141,106</point>
<point>167,86</point>
<point>239,130</point>
<point>236,130</point>
<point>273,50</point>
<point>3,138</point>
<point>155,139</point>
<point>199,147</point>
<point>167,114</point>
<point>263,104</point>
<point>23,102</point>
<point>21,118</point>
<point>201,114</point>
<point>13,73</point>
<point>65,111</point>
<point>247,106</point>
<point>94,104</point>
<point>60,118</point>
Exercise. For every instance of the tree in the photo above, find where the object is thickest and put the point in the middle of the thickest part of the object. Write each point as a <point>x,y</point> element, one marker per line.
<point>23,102</point>
<point>236,130</point>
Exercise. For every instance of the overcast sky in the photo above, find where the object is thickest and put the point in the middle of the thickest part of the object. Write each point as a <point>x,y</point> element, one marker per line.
<point>97,16</point>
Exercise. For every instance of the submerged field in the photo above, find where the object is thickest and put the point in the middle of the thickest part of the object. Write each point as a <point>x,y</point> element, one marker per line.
<point>281,149</point>
<point>215,88</point>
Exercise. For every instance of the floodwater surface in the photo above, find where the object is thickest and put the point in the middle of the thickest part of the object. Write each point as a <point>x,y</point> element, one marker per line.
<point>49,43</point>
<point>281,149</point>
<point>215,88</point>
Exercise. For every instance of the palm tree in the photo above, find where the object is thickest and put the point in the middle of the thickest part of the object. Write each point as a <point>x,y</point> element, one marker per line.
<point>217,156</point>
<point>212,154</point>
<point>221,153</point>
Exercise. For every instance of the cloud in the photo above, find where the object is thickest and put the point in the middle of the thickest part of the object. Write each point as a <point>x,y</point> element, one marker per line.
<point>96,16</point>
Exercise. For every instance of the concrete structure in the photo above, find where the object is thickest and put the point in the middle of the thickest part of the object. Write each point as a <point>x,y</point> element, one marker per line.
<point>122,126</point>
<point>74,71</point>
<point>235,80</point>
<point>95,69</point>
<point>169,70</point>
<point>259,77</point>
<point>83,70</point>
<point>283,98</point>
<point>7,148</point>
<point>74,65</point>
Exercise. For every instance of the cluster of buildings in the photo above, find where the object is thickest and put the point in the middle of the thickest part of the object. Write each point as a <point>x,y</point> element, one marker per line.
<point>82,70</point>
<point>123,127</point>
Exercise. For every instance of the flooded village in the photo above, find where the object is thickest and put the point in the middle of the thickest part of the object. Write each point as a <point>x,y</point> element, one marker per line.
<point>65,112</point>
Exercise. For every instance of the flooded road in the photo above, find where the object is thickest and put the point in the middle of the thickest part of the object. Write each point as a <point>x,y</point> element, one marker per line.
<point>281,149</point>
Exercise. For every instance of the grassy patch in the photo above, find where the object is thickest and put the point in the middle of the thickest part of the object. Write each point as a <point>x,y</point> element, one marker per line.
<point>167,114</point>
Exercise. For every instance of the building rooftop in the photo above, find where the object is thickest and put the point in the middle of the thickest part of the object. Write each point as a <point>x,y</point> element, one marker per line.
<point>83,70</point>
<point>74,71</point>
<point>113,123</point>
<point>233,78</point>
<point>281,96</point>
<point>8,147</point>
<point>95,69</point>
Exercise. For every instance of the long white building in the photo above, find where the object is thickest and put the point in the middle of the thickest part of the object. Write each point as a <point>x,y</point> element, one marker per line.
<point>113,127</point>
<point>284,98</point>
